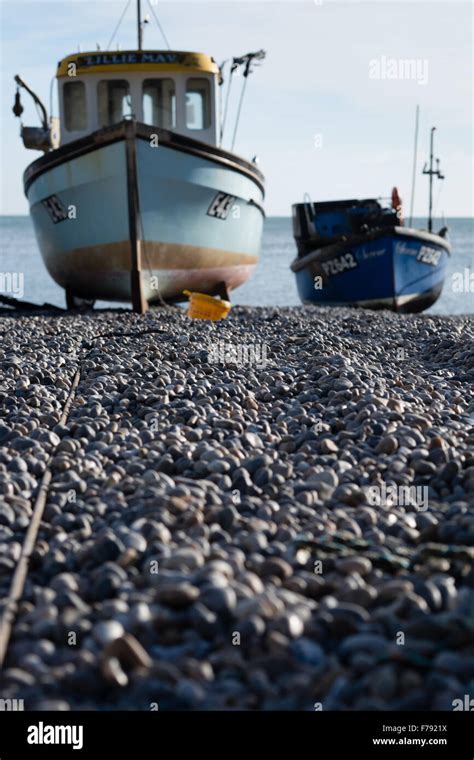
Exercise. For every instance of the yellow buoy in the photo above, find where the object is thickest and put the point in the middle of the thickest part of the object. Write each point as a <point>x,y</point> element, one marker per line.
<point>202,306</point>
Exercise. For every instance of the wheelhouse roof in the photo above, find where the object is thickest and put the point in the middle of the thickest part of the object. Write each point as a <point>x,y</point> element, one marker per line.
<point>136,60</point>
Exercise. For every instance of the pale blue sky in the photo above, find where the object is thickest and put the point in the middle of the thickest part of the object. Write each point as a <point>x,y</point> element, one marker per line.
<point>313,90</point>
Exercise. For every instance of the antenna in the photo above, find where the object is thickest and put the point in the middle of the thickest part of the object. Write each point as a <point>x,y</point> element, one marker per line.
<point>432,173</point>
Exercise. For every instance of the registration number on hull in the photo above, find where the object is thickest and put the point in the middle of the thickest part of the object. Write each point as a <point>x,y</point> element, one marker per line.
<point>429,256</point>
<point>339,264</point>
<point>221,206</point>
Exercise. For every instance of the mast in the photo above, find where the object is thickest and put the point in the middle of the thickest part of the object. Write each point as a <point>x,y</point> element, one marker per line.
<point>430,215</point>
<point>413,177</point>
<point>432,173</point>
<point>139,24</point>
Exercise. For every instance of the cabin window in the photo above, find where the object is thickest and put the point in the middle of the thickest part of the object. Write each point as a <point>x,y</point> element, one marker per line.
<point>198,103</point>
<point>114,101</point>
<point>159,103</point>
<point>74,98</point>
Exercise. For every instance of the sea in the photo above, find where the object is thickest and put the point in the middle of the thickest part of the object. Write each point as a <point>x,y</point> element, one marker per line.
<point>273,284</point>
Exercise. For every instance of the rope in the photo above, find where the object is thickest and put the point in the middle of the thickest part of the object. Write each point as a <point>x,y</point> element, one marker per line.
<point>159,25</point>
<point>239,112</point>
<point>440,190</point>
<point>21,571</point>
<point>226,106</point>
<point>9,610</point>
<point>118,25</point>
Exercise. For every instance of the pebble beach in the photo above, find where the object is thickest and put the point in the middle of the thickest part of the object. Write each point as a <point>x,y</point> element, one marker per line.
<point>272,512</point>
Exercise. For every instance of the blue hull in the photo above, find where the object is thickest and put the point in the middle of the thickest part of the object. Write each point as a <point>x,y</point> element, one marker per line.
<point>401,269</point>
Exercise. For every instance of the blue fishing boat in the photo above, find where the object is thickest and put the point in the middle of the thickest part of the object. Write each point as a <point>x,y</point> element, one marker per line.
<point>359,253</point>
<point>135,197</point>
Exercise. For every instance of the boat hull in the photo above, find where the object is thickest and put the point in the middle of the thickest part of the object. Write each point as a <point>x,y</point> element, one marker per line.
<point>401,269</point>
<point>198,215</point>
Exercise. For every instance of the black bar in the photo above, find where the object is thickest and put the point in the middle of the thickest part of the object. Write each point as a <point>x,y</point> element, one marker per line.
<point>315,734</point>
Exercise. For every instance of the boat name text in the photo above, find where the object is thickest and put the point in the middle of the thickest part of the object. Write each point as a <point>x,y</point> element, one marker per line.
<point>373,254</point>
<point>108,59</point>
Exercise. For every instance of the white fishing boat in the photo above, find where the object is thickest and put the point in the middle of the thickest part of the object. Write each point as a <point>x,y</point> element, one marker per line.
<point>135,198</point>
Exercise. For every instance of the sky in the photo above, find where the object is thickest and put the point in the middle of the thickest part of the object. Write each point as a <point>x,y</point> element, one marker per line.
<point>330,112</point>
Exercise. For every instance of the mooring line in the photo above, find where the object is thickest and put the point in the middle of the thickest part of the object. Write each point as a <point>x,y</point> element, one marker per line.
<point>9,610</point>
<point>17,586</point>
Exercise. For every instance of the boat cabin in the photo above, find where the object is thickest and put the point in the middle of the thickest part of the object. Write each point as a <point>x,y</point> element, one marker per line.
<point>166,89</point>
<point>328,221</point>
